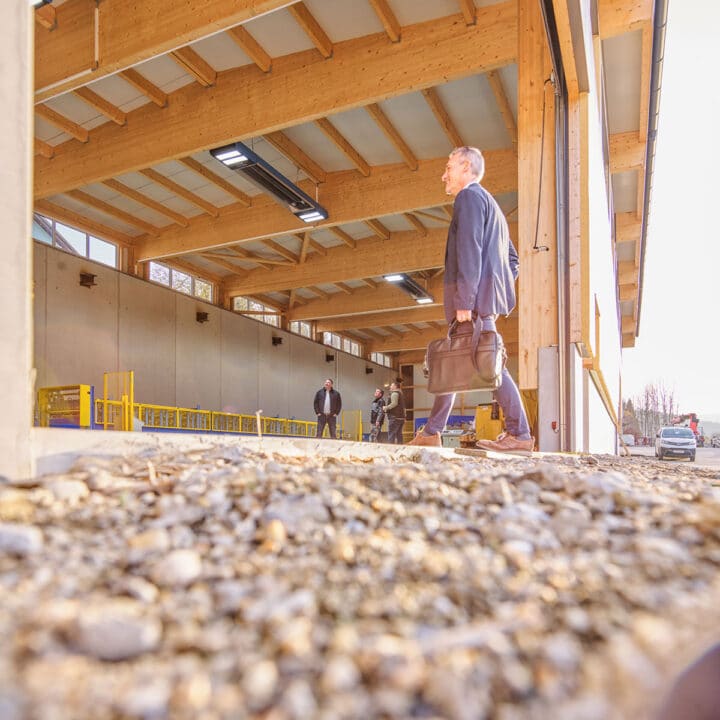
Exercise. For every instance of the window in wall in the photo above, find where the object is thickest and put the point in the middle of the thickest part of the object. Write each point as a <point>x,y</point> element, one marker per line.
<point>300,327</point>
<point>350,346</point>
<point>332,340</point>
<point>256,310</point>
<point>381,359</point>
<point>72,240</point>
<point>102,251</point>
<point>181,281</point>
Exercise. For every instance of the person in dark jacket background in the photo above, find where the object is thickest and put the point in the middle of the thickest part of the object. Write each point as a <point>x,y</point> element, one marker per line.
<point>327,405</point>
<point>481,266</point>
<point>377,414</point>
<point>395,410</point>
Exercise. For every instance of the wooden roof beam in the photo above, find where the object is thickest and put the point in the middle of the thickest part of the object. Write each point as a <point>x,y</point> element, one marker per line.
<point>46,17</point>
<point>387,18</point>
<point>421,313</point>
<point>616,17</point>
<point>404,254</point>
<point>129,34</point>
<point>223,184</point>
<point>281,142</point>
<point>361,69</point>
<point>392,135</point>
<point>251,47</point>
<point>194,65</point>
<point>343,145</point>
<point>378,228</point>
<point>441,114</point>
<point>62,123</point>
<point>348,196</point>
<point>626,152</point>
<point>139,82</point>
<point>43,148</point>
<point>416,223</point>
<point>312,28</point>
<point>345,237</point>
<point>112,211</point>
<point>110,111</point>
<point>283,252</point>
<point>179,190</point>
<point>147,202</point>
<point>467,8</point>
<point>627,227</point>
<point>503,103</point>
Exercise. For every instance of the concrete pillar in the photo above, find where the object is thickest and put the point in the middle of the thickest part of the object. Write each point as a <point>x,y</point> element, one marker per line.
<point>16,138</point>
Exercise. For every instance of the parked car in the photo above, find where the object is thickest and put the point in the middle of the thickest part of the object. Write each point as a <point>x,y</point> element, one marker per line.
<point>675,442</point>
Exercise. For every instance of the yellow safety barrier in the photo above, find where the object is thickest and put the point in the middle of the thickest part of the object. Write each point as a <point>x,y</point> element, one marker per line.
<point>118,387</point>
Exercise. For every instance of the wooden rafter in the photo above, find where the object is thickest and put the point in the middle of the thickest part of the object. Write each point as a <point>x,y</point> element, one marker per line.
<point>44,149</point>
<point>310,25</point>
<point>193,64</point>
<point>222,262</point>
<point>223,184</point>
<point>304,247</point>
<point>370,67</point>
<point>432,216</point>
<point>467,8</point>
<point>112,211</point>
<point>345,237</point>
<point>392,135</point>
<point>387,18</point>
<point>503,103</point>
<point>168,184</point>
<point>46,17</point>
<point>280,141</point>
<point>421,313</point>
<point>343,145</point>
<point>378,228</point>
<point>627,227</point>
<point>416,223</point>
<point>62,123</point>
<point>344,288</point>
<point>626,152</point>
<point>349,198</point>
<point>317,291</point>
<point>144,200</point>
<point>130,33</point>
<point>281,250</point>
<point>139,82</point>
<point>442,116</point>
<point>82,222</point>
<point>110,111</point>
<point>404,254</point>
<point>621,16</point>
<point>251,47</point>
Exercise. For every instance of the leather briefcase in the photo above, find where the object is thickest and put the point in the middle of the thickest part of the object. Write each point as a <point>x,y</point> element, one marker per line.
<point>467,359</point>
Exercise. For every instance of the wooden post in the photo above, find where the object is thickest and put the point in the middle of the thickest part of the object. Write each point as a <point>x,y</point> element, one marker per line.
<point>537,305</point>
<point>16,150</point>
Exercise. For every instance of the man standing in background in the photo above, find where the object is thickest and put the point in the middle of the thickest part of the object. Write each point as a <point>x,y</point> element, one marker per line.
<point>328,405</point>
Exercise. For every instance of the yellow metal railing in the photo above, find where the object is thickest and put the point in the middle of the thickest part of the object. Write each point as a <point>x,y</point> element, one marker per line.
<point>118,393</point>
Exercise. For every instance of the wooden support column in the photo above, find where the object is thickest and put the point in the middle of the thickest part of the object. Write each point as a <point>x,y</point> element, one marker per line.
<point>16,149</point>
<point>537,299</point>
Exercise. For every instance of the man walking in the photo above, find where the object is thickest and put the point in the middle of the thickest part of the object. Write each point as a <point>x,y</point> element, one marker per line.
<point>377,414</point>
<point>481,266</point>
<point>395,410</point>
<point>328,405</point>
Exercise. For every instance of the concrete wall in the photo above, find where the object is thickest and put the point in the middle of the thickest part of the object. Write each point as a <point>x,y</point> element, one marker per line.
<point>227,363</point>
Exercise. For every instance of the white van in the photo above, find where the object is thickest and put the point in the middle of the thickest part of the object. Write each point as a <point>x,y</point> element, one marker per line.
<point>675,442</point>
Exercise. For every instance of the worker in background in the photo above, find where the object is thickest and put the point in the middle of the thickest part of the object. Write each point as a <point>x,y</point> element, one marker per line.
<point>328,405</point>
<point>395,411</point>
<point>481,266</point>
<point>377,414</point>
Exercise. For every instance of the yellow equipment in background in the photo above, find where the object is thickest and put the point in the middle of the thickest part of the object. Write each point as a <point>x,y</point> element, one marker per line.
<point>489,421</point>
<point>66,406</point>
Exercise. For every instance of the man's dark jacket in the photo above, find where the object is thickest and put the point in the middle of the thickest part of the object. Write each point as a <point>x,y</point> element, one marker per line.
<point>481,263</point>
<point>335,402</point>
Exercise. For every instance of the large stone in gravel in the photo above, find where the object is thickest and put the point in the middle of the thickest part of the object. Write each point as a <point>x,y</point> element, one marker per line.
<point>115,630</point>
<point>178,568</point>
<point>17,539</point>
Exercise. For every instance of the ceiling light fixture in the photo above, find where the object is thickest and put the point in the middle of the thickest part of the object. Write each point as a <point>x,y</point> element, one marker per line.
<point>412,288</point>
<point>242,159</point>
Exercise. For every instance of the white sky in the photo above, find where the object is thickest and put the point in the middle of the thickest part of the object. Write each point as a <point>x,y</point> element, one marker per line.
<point>679,340</point>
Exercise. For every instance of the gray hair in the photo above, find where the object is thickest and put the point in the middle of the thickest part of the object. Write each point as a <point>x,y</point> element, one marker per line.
<point>474,157</point>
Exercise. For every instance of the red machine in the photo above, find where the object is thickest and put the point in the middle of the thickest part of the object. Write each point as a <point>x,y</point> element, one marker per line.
<point>690,420</point>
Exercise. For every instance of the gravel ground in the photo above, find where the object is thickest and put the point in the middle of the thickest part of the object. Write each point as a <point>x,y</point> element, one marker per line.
<point>291,582</point>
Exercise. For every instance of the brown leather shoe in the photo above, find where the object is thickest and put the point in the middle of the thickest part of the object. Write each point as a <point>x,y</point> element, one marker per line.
<point>426,440</point>
<point>507,443</point>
